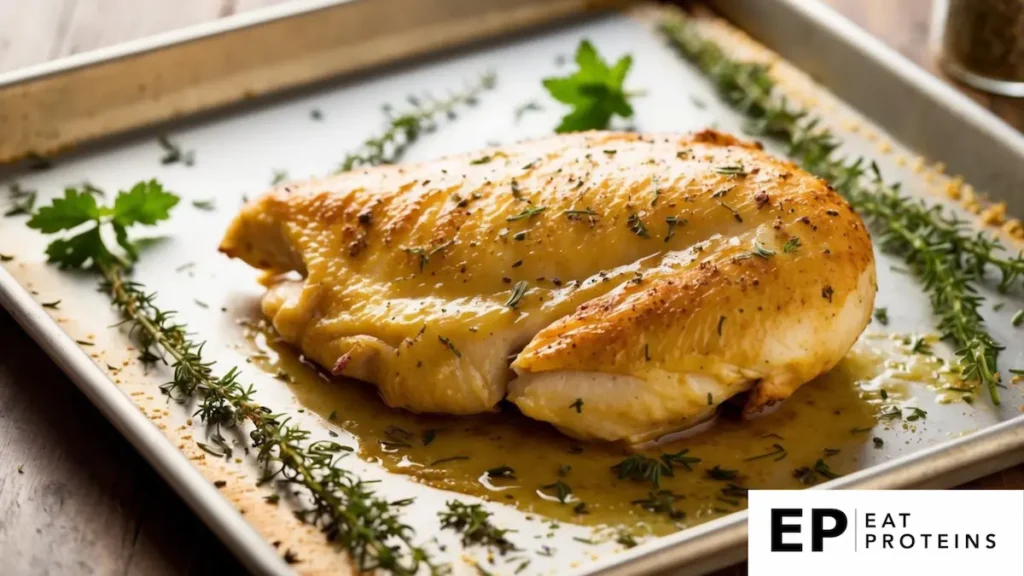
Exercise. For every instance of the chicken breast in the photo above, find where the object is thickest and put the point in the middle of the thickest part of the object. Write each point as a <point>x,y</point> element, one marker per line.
<point>632,283</point>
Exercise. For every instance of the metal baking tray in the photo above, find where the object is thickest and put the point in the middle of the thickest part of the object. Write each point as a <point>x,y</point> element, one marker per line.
<point>200,86</point>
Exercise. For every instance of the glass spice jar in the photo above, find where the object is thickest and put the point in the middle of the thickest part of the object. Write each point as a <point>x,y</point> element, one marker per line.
<point>981,43</point>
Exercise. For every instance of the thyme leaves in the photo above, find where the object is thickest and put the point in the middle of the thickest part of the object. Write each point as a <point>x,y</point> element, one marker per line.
<point>939,248</point>
<point>640,468</point>
<point>474,524</point>
<point>527,213</point>
<point>518,292</point>
<point>636,226</point>
<point>345,508</point>
<point>404,129</point>
<point>672,222</point>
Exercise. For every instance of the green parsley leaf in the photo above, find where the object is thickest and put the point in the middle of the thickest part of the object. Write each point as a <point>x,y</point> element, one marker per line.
<point>74,209</point>
<point>75,251</point>
<point>594,91</point>
<point>146,203</point>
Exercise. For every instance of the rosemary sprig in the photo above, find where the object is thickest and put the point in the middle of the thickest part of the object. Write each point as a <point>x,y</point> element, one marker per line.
<point>344,507</point>
<point>938,247</point>
<point>406,128</point>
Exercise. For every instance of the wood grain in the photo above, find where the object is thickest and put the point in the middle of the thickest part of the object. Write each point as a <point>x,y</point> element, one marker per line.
<point>75,498</point>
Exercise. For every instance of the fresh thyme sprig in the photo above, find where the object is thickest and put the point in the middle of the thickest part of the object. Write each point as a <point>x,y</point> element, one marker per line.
<point>941,249</point>
<point>474,524</point>
<point>344,507</point>
<point>404,129</point>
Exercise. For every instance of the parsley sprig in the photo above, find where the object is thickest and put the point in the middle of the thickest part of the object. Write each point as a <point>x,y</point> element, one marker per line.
<point>941,249</point>
<point>345,508</point>
<point>594,91</point>
<point>147,203</point>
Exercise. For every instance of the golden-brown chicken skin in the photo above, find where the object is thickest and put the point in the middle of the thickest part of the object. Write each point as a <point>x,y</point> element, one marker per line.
<point>634,282</point>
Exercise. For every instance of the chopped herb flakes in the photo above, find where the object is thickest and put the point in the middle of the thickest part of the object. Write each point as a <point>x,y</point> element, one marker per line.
<point>425,255</point>
<point>813,475</point>
<point>173,153</point>
<point>637,226</point>
<point>776,453</point>
<point>522,109</point>
<point>429,436</point>
<point>562,490</point>
<point>501,472</point>
<point>449,459</point>
<point>517,294</point>
<point>736,215</point>
<point>23,201</point>
<point>827,293</point>
<point>918,345</point>
<point>578,214</point>
<point>527,213</point>
<point>762,252</point>
<point>882,316</point>
<point>640,468</point>
<point>474,525</point>
<point>916,414</point>
<point>731,170</point>
<point>661,502</point>
<point>672,222</point>
<point>719,473</point>
<point>450,346</point>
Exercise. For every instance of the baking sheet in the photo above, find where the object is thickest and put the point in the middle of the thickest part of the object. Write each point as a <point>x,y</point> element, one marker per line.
<point>236,155</point>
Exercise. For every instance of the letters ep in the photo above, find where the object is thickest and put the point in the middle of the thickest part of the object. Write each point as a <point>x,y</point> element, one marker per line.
<point>819,533</point>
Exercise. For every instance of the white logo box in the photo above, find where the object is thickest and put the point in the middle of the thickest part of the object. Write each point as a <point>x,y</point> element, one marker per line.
<point>934,532</point>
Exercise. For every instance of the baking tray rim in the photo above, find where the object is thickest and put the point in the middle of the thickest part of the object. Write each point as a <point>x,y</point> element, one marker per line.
<point>167,39</point>
<point>818,12</point>
<point>909,471</point>
<point>201,496</point>
<point>882,55</point>
<point>251,548</point>
<point>254,551</point>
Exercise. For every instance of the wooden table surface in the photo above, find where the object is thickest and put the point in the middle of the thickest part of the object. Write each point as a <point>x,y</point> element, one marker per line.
<point>75,498</point>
